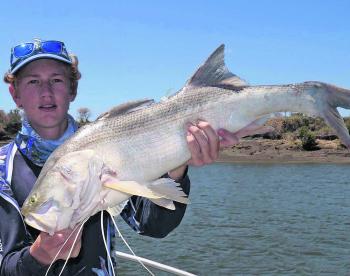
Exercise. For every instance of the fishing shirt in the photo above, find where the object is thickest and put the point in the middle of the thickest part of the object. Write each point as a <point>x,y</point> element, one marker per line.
<point>18,174</point>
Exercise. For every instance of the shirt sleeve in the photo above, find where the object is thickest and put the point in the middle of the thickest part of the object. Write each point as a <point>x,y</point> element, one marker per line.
<point>14,250</point>
<point>21,263</point>
<point>149,219</point>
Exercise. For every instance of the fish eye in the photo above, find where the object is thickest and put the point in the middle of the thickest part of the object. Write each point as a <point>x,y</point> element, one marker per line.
<point>32,199</point>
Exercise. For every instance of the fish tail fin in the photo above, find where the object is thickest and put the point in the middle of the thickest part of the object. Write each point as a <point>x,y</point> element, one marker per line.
<point>336,97</point>
<point>334,119</point>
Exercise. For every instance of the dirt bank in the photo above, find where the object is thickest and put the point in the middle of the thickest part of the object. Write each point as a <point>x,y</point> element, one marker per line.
<point>282,151</point>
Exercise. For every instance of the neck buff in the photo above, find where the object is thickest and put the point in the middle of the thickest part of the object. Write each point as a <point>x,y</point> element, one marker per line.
<point>36,148</point>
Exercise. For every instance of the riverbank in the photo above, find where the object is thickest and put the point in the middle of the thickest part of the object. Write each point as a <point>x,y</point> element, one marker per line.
<point>261,150</point>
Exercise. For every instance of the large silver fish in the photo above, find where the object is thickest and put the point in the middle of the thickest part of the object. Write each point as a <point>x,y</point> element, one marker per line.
<point>124,153</point>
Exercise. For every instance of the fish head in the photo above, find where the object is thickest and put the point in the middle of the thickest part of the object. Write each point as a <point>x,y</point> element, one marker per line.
<point>47,217</point>
<point>57,193</point>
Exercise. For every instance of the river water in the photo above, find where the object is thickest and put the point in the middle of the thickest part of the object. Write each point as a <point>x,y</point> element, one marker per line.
<point>256,220</point>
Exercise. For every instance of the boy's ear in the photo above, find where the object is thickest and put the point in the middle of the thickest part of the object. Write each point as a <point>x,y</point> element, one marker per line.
<point>12,89</point>
<point>14,95</point>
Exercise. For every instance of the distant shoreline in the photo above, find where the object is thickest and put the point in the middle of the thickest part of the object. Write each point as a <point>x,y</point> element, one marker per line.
<point>283,160</point>
<point>265,151</point>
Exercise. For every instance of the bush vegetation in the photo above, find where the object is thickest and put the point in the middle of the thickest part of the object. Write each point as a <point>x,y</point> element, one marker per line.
<point>305,129</point>
<point>308,138</point>
<point>10,123</point>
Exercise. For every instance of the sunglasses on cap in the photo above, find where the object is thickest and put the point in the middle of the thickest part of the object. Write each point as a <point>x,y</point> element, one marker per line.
<point>29,51</point>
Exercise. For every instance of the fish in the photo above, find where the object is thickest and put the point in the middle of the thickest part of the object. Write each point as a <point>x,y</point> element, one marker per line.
<point>126,150</point>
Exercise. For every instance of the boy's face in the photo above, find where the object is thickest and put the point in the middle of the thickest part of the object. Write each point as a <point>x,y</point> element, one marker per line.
<point>43,91</point>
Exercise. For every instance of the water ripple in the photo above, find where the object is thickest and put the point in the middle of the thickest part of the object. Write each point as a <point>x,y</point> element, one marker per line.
<point>259,220</point>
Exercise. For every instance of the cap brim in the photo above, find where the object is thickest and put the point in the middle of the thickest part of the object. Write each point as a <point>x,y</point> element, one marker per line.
<point>39,56</point>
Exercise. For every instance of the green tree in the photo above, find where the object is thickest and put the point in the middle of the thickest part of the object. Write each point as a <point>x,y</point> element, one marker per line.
<point>3,118</point>
<point>3,123</point>
<point>308,139</point>
<point>84,114</point>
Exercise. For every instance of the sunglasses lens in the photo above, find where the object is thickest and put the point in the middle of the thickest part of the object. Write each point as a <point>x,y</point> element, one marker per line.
<point>23,50</point>
<point>54,47</point>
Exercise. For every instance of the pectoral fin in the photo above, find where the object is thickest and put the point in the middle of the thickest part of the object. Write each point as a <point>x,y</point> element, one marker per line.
<point>131,187</point>
<point>161,191</point>
<point>116,210</point>
<point>168,188</point>
<point>163,202</point>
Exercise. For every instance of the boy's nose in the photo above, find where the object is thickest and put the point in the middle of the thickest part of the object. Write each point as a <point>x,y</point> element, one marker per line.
<point>46,89</point>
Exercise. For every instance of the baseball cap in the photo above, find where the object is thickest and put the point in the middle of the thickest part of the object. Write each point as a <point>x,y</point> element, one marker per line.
<point>26,52</point>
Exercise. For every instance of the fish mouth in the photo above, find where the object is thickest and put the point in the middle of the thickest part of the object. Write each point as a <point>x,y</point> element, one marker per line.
<point>43,218</point>
<point>49,218</point>
<point>42,223</point>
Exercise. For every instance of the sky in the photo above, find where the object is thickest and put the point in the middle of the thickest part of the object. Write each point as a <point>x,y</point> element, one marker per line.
<point>129,50</point>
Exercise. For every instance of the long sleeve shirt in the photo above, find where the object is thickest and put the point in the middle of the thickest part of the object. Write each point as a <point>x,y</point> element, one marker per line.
<point>17,177</point>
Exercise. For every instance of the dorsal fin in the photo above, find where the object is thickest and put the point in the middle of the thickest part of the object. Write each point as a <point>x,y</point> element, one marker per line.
<point>126,108</point>
<point>215,73</point>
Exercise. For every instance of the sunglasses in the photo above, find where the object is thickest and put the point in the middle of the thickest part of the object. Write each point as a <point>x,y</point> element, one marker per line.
<point>23,51</point>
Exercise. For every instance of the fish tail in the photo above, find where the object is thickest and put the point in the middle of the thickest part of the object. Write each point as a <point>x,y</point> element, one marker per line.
<point>336,97</point>
<point>339,97</point>
<point>334,119</point>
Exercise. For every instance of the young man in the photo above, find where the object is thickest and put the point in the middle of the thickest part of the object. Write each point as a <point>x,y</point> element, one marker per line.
<point>43,80</point>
